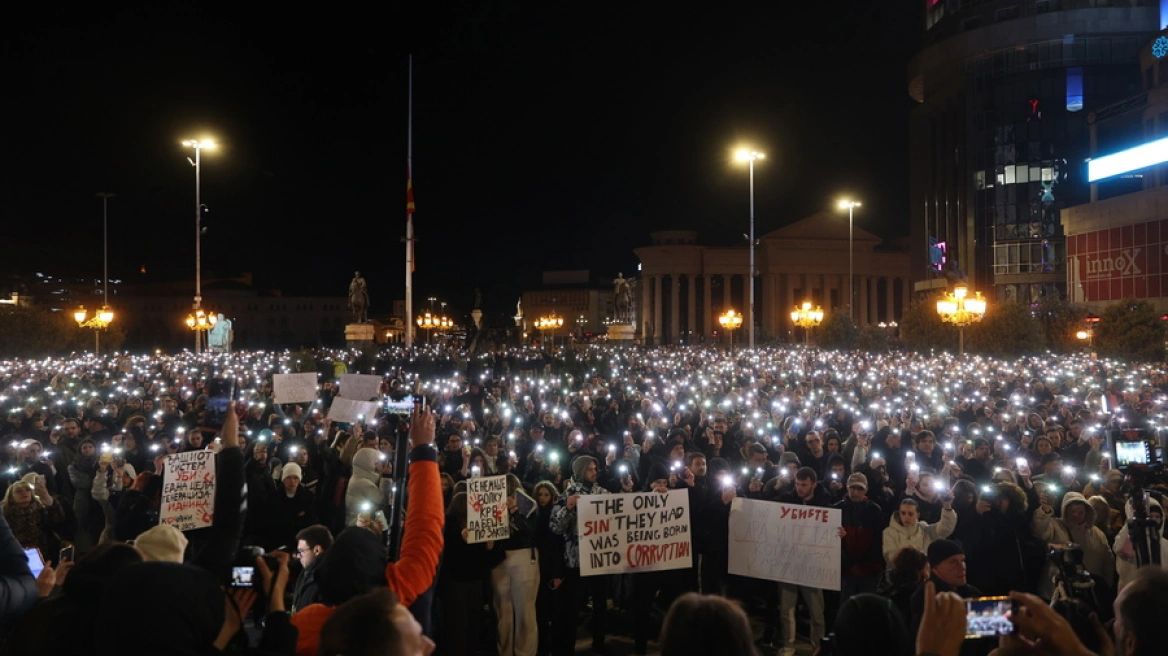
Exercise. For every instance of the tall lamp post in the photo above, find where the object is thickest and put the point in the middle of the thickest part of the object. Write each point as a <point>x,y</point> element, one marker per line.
<point>806,318</point>
<point>198,145</point>
<point>850,205</point>
<point>958,308</point>
<point>550,323</point>
<point>431,322</point>
<point>98,322</point>
<point>730,321</point>
<point>749,156</point>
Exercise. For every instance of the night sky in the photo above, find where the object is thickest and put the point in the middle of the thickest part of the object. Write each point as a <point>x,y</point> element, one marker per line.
<point>550,136</point>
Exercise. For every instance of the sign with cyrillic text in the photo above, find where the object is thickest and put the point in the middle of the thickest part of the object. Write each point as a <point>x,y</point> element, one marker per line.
<point>188,490</point>
<point>785,543</point>
<point>350,411</point>
<point>486,509</point>
<point>360,387</point>
<point>293,388</point>
<point>630,533</point>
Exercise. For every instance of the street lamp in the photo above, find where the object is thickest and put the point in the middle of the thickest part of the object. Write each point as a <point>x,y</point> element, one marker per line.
<point>102,318</point>
<point>749,156</point>
<point>550,323</point>
<point>431,322</point>
<point>198,145</point>
<point>730,321</point>
<point>850,205</point>
<point>959,309</point>
<point>200,322</point>
<point>806,318</point>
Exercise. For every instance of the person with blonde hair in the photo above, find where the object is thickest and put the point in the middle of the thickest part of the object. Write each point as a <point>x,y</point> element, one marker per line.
<point>34,515</point>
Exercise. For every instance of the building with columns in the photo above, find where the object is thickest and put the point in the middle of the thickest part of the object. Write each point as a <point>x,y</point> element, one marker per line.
<point>685,286</point>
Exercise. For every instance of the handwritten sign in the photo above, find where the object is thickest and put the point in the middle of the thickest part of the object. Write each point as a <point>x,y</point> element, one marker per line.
<point>360,387</point>
<point>188,490</point>
<point>630,533</point>
<point>293,388</point>
<point>350,411</point>
<point>486,509</point>
<point>786,543</point>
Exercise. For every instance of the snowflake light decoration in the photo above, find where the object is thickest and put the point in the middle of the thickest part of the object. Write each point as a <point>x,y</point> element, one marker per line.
<point>1160,47</point>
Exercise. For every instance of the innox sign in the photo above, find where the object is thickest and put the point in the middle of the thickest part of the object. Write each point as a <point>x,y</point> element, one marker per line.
<point>1116,263</point>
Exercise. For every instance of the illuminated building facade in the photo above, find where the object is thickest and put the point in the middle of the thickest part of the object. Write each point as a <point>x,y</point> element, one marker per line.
<point>1117,244</point>
<point>999,137</point>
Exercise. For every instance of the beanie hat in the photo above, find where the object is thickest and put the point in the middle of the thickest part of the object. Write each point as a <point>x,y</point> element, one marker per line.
<point>291,469</point>
<point>789,458</point>
<point>1053,456</point>
<point>942,550</point>
<point>657,471</point>
<point>162,543</point>
<point>858,479</point>
<point>580,464</point>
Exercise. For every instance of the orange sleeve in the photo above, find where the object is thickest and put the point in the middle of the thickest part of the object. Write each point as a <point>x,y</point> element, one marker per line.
<point>309,621</point>
<point>414,571</point>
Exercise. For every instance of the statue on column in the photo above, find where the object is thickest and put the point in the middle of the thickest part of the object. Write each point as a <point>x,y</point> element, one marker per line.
<point>359,298</point>
<point>221,335</point>
<point>620,294</point>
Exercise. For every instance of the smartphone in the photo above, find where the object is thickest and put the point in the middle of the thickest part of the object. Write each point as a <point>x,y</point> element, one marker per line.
<point>66,554</point>
<point>242,577</point>
<point>36,564</point>
<point>989,617</point>
<point>220,394</point>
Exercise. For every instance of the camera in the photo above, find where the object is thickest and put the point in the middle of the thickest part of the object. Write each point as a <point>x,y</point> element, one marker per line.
<point>1136,449</point>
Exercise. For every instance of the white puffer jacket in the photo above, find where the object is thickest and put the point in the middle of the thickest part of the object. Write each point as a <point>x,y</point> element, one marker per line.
<point>897,536</point>
<point>1125,558</point>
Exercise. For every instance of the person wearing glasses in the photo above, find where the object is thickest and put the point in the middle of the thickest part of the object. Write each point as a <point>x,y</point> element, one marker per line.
<point>311,543</point>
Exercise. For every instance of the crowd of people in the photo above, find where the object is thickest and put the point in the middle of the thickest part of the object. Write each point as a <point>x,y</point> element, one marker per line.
<point>956,478</point>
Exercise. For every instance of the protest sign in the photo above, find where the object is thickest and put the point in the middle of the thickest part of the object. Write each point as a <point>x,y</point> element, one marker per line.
<point>630,533</point>
<point>360,387</point>
<point>486,509</point>
<point>786,543</point>
<point>293,388</point>
<point>188,490</point>
<point>350,411</point>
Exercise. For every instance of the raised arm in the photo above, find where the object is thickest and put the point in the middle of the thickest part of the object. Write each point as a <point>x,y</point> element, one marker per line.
<point>421,545</point>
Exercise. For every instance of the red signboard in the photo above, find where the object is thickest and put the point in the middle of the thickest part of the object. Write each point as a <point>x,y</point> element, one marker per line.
<point>1116,263</point>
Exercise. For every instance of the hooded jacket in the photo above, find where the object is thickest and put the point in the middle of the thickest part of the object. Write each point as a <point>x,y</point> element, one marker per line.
<point>364,485</point>
<point>1125,556</point>
<point>564,519</point>
<point>1097,556</point>
<point>897,536</point>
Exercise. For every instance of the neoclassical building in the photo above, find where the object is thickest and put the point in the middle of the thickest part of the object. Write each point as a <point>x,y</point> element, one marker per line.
<point>684,286</point>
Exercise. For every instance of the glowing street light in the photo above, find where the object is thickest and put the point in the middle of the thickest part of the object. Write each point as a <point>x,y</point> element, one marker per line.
<point>98,322</point>
<point>959,309</point>
<point>730,321</point>
<point>749,156</point>
<point>198,145</point>
<point>850,206</point>
<point>807,318</point>
<point>550,323</point>
<point>430,322</point>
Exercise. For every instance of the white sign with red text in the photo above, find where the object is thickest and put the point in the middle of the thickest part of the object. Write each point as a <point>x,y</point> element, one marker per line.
<point>785,543</point>
<point>631,533</point>
<point>188,490</point>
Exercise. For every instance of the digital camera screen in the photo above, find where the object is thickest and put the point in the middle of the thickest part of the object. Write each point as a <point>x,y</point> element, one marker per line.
<point>1131,453</point>
<point>241,577</point>
<point>988,617</point>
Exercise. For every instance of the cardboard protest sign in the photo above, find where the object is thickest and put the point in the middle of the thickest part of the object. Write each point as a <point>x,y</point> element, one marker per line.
<point>630,533</point>
<point>786,543</point>
<point>293,388</point>
<point>360,387</point>
<point>188,490</point>
<point>486,509</point>
<point>350,411</point>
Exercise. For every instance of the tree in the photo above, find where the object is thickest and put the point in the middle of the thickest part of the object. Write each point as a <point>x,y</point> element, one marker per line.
<point>1131,330</point>
<point>838,330</point>
<point>921,328</point>
<point>1007,329</point>
<point>872,338</point>
<point>1060,321</point>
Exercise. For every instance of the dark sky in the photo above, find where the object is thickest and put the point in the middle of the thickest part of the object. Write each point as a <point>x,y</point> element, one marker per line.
<point>549,136</point>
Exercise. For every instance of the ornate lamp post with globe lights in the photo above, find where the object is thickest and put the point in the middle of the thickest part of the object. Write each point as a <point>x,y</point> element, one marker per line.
<point>807,318</point>
<point>550,323</point>
<point>200,322</point>
<point>959,309</point>
<point>98,322</point>
<point>431,322</point>
<point>730,321</point>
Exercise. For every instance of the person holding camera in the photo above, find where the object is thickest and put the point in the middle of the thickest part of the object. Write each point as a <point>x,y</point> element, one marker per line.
<point>1075,526</point>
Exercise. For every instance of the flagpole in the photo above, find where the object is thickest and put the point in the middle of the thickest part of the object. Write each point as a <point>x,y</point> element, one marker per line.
<point>409,328</point>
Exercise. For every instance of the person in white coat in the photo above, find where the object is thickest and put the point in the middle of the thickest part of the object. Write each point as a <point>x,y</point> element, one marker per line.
<point>366,491</point>
<point>1076,525</point>
<point>1125,553</point>
<point>906,530</point>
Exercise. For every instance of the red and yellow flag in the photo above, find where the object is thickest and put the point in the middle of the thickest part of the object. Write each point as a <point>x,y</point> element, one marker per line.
<point>409,194</point>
